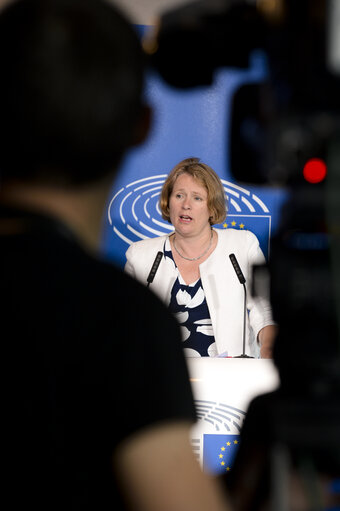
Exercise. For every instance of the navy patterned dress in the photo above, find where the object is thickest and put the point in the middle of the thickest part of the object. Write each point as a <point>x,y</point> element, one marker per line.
<point>189,306</point>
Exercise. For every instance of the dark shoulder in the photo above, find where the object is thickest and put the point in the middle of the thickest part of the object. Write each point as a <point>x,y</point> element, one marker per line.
<point>101,286</point>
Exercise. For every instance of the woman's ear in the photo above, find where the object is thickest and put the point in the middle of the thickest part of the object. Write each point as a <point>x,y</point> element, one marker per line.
<point>142,126</point>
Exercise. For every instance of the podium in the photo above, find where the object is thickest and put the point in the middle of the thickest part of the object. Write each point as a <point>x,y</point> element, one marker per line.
<point>223,389</point>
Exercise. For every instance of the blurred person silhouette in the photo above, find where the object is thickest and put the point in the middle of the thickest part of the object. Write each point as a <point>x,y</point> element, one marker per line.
<point>195,278</point>
<point>96,402</point>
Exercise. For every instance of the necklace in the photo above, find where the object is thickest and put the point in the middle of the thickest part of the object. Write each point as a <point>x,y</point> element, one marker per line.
<point>194,258</point>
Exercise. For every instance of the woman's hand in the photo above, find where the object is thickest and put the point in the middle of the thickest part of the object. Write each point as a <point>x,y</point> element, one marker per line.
<point>266,340</point>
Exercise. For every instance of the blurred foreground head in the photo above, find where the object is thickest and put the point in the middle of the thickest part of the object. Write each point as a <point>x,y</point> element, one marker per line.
<point>70,90</point>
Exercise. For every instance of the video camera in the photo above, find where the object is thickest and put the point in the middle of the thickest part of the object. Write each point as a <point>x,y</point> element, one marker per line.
<point>280,123</point>
<point>285,131</point>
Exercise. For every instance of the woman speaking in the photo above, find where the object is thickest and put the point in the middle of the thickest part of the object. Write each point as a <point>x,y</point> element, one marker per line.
<point>196,278</point>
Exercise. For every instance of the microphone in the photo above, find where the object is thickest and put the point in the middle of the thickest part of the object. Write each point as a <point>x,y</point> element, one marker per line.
<point>237,268</point>
<point>242,281</point>
<point>154,268</point>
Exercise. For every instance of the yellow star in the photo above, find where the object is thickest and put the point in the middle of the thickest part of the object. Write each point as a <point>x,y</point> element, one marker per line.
<point>220,456</point>
<point>222,448</point>
<point>235,442</point>
<point>227,469</point>
<point>241,226</point>
<point>225,225</point>
<point>222,463</point>
<point>228,444</point>
<point>233,223</point>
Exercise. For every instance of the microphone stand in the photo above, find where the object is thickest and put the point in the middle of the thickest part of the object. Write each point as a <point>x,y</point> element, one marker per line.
<point>244,325</point>
<point>242,281</point>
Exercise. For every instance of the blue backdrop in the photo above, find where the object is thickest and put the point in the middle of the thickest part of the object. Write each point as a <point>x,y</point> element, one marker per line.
<point>186,123</point>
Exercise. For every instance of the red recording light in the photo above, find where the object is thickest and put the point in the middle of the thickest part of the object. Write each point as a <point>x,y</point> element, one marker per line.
<point>315,170</point>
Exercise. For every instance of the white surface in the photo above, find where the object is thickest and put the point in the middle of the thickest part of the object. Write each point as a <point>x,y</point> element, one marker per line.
<point>232,381</point>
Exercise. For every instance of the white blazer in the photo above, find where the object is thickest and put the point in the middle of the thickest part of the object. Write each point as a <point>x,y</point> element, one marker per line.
<point>224,293</point>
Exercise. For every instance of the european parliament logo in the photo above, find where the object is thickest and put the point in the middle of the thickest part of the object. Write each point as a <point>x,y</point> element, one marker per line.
<point>216,435</point>
<point>219,452</point>
<point>134,213</point>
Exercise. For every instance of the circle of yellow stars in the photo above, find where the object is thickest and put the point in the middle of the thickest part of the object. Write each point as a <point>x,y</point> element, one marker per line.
<point>233,224</point>
<point>222,454</point>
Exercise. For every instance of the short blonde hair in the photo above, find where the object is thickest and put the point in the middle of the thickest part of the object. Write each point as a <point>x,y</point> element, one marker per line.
<point>208,178</point>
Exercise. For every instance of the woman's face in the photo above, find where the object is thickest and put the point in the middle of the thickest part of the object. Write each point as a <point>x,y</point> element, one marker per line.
<point>188,205</point>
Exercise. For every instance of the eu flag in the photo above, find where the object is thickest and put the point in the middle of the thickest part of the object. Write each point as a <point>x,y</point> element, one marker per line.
<point>219,452</point>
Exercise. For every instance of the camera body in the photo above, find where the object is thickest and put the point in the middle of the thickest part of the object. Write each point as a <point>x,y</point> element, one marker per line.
<point>276,125</point>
